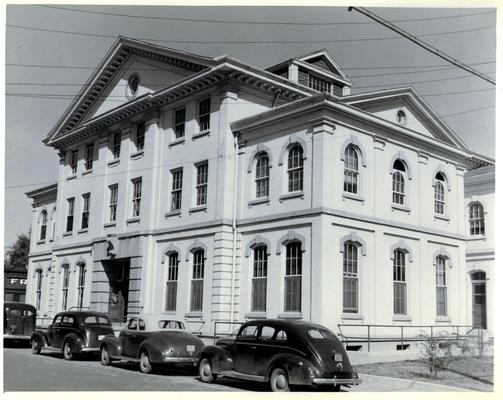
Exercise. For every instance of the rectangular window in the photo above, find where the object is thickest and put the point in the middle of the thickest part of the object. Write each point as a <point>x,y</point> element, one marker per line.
<point>180,123</point>
<point>259,280</point>
<point>39,289</point>
<point>136,197</point>
<point>86,198</point>
<point>89,156</point>
<point>441,284</point>
<point>295,169</point>
<point>140,136</point>
<point>114,190</point>
<point>350,279</point>
<point>116,144</point>
<point>66,280</point>
<point>204,114</point>
<point>74,158</point>
<point>293,277</point>
<point>399,284</point>
<point>262,177</point>
<point>81,285</point>
<point>196,298</point>
<point>171,284</point>
<point>202,184</point>
<point>176,189</point>
<point>318,84</point>
<point>69,214</point>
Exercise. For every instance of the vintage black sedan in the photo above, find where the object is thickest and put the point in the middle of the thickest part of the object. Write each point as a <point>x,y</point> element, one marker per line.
<point>282,353</point>
<point>153,340</point>
<point>73,332</point>
<point>18,321</point>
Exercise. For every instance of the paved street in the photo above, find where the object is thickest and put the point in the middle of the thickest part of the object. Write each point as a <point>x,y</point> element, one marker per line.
<point>24,371</point>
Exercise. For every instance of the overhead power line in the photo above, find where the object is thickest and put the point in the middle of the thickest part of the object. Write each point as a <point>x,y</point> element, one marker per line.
<point>222,21</point>
<point>244,41</point>
<point>422,44</point>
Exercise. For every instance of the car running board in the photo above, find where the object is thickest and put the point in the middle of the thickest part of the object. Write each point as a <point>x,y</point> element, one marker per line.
<point>239,375</point>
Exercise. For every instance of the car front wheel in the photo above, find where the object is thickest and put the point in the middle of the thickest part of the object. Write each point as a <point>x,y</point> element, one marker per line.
<point>67,351</point>
<point>36,346</point>
<point>145,365</point>
<point>206,371</point>
<point>279,380</point>
<point>105,356</point>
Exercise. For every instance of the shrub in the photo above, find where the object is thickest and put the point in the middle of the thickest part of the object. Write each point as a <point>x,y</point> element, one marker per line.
<point>436,351</point>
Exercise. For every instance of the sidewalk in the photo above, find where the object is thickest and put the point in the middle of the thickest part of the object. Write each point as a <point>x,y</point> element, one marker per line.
<point>374,383</point>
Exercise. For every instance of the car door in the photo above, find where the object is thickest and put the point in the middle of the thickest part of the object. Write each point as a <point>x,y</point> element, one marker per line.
<point>67,326</point>
<point>243,350</point>
<point>53,332</point>
<point>130,335</point>
<point>271,341</point>
<point>138,338</point>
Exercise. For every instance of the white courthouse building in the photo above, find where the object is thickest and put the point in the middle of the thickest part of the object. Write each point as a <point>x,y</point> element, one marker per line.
<point>213,190</point>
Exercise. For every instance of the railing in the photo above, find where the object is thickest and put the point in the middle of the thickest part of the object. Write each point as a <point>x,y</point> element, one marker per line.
<point>453,333</point>
<point>230,331</point>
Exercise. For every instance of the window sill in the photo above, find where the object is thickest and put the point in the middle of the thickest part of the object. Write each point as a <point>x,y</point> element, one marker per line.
<point>115,161</point>
<point>198,209</point>
<point>261,200</point>
<point>109,225</point>
<point>194,314</point>
<point>84,230</point>
<point>87,171</point>
<point>70,177</point>
<point>41,241</point>
<point>255,315</point>
<point>353,196</point>
<point>68,233</point>
<point>291,195</point>
<point>173,213</point>
<point>401,318</point>
<point>352,316</point>
<point>176,141</point>
<point>443,319</point>
<point>398,207</point>
<point>201,134</point>
<point>476,237</point>
<point>290,315</point>
<point>132,220</point>
<point>137,154</point>
<point>441,217</point>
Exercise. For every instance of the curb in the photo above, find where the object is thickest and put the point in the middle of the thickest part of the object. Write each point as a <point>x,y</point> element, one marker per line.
<point>451,388</point>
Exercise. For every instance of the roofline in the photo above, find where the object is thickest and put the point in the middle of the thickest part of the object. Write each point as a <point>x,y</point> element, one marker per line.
<point>32,194</point>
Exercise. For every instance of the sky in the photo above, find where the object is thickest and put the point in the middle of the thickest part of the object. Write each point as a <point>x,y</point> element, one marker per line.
<point>51,51</point>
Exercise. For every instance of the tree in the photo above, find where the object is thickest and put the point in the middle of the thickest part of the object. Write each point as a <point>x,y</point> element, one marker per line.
<point>17,254</point>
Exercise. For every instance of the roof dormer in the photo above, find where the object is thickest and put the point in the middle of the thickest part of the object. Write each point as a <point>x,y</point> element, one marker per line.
<point>316,70</point>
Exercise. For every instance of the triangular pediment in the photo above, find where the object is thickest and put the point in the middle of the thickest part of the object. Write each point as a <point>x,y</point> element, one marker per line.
<point>404,107</point>
<point>156,67</point>
<point>323,60</point>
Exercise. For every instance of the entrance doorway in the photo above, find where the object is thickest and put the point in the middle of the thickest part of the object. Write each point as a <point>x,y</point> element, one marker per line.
<point>118,278</point>
<point>479,319</point>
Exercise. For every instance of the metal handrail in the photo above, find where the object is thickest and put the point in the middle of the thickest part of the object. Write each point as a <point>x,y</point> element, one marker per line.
<point>218,334</point>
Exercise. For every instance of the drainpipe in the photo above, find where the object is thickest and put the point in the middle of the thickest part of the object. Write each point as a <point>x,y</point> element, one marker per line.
<point>234,228</point>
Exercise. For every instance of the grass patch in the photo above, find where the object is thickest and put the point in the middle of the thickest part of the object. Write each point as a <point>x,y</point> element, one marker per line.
<point>475,373</point>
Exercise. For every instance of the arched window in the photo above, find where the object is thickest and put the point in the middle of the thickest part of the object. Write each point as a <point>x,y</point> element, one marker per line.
<point>43,225</point>
<point>39,289</point>
<point>350,278</point>
<point>171,284</point>
<point>441,286</point>
<point>439,194</point>
<point>351,169</point>
<point>295,169</point>
<point>81,285</point>
<point>262,176</point>
<point>66,281</point>
<point>399,182</point>
<point>196,297</point>
<point>399,283</point>
<point>476,219</point>
<point>259,280</point>
<point>293,276</point>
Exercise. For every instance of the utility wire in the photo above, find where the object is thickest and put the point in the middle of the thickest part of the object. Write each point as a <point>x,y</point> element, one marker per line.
<point>422,44</point>
<point>217,21</point>
<point>242,42</point>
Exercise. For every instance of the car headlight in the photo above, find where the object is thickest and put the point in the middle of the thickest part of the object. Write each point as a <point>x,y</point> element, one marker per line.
<point>101,337</point>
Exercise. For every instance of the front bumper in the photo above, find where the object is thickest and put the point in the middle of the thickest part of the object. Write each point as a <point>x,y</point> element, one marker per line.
<point>90,349</point>
<point>355,380</point>
<point>16,337</point>
<point>180,360</point>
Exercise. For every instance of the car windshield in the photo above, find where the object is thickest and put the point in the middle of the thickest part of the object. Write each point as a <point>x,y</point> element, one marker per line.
<point>170,324</point>
<point>97,320</point>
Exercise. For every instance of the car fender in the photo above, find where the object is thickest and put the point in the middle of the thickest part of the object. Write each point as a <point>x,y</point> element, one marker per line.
<point>76,342</point>
<point>42,336</point>
<point>295,366</point>
<point>220,359</point>
<point>113,344</point>
<point>153,350</point>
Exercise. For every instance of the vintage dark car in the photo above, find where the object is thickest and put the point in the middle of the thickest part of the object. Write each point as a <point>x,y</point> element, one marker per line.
<point>282,353</point>
<point>73,332</point>
<point>18,321</point>
<point>153,340</point>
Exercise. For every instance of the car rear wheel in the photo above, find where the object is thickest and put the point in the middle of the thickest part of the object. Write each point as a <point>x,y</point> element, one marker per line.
<point>67,351</point>
<point>279,380</point>
<point>105,356</point>
<point>206,371</point>
<point>36,346</point>
<point>145,365</point>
